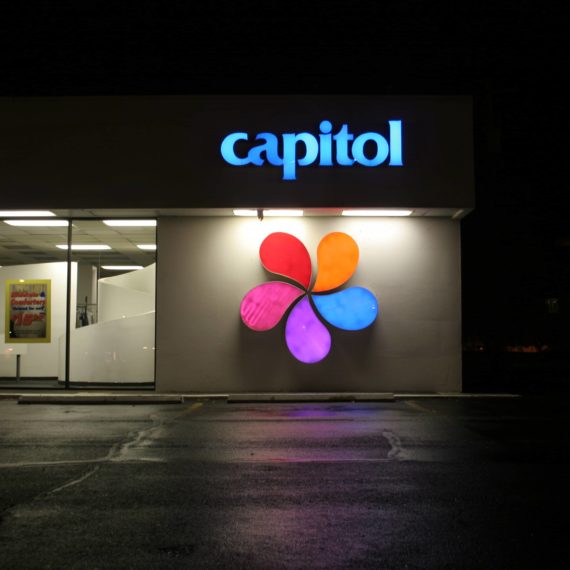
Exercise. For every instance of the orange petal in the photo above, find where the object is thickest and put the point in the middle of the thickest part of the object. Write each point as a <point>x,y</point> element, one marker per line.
<point>337,258</point>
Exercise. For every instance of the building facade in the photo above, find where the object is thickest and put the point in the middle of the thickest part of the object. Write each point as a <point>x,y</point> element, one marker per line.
<point>213,197</point>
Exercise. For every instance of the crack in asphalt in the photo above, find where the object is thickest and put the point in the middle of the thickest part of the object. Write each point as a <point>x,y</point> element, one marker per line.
<point>117,453</point>
<point>395,445</point>
<point>73,482</point>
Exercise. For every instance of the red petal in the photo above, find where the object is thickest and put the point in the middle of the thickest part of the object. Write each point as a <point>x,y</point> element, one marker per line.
<point>284,254</point>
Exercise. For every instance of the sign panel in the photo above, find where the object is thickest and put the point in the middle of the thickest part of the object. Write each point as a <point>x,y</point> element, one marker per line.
<point>28,311</point>
<point>237,151</point>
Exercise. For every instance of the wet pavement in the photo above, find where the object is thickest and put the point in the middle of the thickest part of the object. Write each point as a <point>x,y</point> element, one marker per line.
<point>418,483</point>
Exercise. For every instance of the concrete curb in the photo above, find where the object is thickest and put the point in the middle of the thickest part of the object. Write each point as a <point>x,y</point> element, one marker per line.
<point>312,397</point>
<point>406,396</point>
<point>117,397</point>
<point>92,399</point>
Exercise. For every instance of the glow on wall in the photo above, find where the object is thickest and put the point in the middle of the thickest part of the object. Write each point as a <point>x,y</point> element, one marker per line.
<point>307,338</point>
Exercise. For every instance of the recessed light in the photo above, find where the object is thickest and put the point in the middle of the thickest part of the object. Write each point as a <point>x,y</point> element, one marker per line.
<point>283,213</point>
<point>121,267</point>
<point>37,223</point>
<point>147,246</point>
<point>85,247</point>
<point>377,212</point>
<point>130,223</point>
<point>269,213</point>
<point>25,214</point>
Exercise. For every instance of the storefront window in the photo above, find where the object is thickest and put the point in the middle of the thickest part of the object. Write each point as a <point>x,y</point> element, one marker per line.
<point>112,337</point>
<point>33,307</point>
<point>103,293</point>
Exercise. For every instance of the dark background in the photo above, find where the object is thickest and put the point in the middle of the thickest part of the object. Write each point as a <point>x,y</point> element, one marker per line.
<point>510,56</point>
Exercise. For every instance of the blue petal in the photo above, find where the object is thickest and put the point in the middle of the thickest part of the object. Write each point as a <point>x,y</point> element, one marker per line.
<point>352,309</point>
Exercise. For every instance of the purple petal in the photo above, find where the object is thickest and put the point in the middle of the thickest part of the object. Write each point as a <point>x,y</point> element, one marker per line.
<point>307,338</point>
<point>262,308</point>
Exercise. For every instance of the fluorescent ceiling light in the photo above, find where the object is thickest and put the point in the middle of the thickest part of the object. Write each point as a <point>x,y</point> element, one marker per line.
<point>25,213</point>
<point>269,213</point>
<point>37,223</point>
<point>121,267</point>
<point>85,247</point>
<point>377,212</point>
<point>130,223</point>
<point>284,213</point>
<point>147,246</point>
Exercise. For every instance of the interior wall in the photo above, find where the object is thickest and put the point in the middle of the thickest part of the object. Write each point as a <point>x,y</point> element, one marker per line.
<point>38,359</point>
<point>207,265</point>
<point>127,295</point>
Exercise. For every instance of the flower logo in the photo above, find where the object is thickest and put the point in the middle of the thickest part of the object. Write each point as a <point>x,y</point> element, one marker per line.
<point>307,338</point>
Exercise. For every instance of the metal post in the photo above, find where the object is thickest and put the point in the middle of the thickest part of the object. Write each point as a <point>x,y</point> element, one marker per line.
<point>68,306</point>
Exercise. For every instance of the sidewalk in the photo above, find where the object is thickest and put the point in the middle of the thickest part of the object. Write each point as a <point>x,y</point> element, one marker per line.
<point>145,397</point>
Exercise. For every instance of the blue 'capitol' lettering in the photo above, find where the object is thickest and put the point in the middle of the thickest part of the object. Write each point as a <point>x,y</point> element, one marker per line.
<point>322,149</point>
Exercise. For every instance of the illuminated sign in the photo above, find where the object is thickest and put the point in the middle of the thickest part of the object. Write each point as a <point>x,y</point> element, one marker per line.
<point>343,149</point>
<point>307,338</point>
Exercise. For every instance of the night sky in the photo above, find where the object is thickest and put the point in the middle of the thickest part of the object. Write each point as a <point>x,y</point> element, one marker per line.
<point>511,56</point>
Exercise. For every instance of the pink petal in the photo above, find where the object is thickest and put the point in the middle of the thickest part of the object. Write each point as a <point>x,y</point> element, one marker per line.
<point>262,308</point>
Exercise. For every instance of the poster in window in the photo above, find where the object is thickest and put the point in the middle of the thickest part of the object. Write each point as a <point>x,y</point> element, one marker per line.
<point>28,310</point>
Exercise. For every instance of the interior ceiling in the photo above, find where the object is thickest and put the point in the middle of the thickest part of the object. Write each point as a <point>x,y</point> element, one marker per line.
<point>25,245</point>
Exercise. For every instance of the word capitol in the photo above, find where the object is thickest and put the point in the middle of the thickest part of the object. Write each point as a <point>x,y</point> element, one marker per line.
<point>346,154</point>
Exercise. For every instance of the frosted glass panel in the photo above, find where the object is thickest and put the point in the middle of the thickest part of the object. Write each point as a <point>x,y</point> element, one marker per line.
<point>113,337</point>
<point>118,351</point>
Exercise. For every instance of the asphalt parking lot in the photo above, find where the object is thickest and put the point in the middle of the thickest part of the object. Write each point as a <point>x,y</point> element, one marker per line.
<point>416,483</point>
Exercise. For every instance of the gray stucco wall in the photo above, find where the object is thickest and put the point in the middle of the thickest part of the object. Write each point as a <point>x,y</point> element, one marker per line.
<point>207,264</point>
